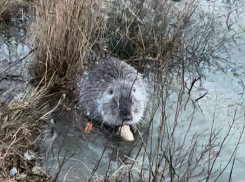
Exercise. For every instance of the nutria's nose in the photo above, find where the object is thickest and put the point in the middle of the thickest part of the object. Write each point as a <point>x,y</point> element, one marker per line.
<point>125,108</point>
<point>126,116</point>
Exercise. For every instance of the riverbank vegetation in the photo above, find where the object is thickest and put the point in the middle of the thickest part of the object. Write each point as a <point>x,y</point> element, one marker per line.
<point>13,9</point>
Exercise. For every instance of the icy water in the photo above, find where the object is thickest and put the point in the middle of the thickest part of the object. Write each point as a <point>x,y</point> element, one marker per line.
<point>13,69</point>
<point>223,106</point>
<point>225,95</point>
<point>223,101</point>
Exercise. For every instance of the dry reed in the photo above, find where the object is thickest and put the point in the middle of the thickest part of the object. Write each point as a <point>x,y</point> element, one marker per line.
<point>20,121</point>
<point>11,9</point>
<point>62,31</point>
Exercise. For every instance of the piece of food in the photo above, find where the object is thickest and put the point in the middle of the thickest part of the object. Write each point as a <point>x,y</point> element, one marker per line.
<point>88,127</point>
<point>126,133</point>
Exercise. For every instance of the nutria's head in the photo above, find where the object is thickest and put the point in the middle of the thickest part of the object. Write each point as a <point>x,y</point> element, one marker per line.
<point>114,93</point>
<point>121,103</point>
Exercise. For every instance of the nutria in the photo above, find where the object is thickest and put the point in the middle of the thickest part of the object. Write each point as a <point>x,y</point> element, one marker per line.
<point>113,92</point>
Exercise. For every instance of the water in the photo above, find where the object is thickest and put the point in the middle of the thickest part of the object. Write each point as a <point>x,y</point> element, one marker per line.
<point>13,70</point>
<point>224,102</point>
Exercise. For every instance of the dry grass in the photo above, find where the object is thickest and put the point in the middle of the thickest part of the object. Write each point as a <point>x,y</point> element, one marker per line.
<point>11,8</point>
<point>20,121</point>
<point>7,8</point>
<point>158,37</point>
<point>146,31</point>
<point>62,31</point>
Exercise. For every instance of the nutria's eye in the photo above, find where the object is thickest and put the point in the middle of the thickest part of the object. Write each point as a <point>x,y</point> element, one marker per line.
<point>111,92</point>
